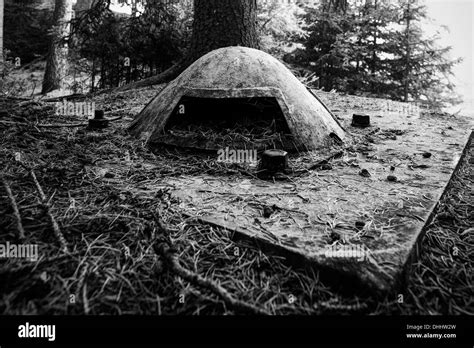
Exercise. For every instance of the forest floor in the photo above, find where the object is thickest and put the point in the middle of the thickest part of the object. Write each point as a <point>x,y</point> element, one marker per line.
<point>113,264</point>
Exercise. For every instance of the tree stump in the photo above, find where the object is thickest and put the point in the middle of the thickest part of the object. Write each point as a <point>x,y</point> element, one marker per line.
<point>274,160</point>
<point>360,120</point>
<point>99,121</point>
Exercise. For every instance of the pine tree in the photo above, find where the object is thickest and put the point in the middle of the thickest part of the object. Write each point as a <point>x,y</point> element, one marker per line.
<point>371,34</point>
<point>325,24</point>
<point>56,65</point>
<point>377,48</point>
<point>279,24</point>
<point>420,67</point>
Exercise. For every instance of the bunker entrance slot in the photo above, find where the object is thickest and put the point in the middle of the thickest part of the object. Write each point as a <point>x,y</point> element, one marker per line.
<point>256,123</point>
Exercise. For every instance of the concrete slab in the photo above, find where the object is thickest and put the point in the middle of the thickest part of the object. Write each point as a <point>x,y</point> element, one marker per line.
<point>361,226</point>
<point>361,229</point>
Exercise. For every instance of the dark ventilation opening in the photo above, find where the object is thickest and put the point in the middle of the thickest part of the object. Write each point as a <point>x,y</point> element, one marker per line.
<point>335,139</point>
<point>216,123</point>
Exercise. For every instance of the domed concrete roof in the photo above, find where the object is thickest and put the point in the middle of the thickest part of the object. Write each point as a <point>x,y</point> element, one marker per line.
<point>241,72</point>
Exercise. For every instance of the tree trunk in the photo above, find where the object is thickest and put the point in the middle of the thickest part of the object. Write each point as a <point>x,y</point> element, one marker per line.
<point>406,79</point>
<point>337,6</point>
<point>222,23</point>
<point>82,6</point>
<point>56,64</point>
<point>217,23</point>
<point>373,68</point>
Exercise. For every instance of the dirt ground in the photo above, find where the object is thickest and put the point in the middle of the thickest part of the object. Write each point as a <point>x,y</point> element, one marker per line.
<point>112,265</point>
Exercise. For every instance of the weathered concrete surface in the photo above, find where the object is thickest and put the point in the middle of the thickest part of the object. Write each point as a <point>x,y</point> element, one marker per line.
<point>240,72</point>
<point>315,210</point>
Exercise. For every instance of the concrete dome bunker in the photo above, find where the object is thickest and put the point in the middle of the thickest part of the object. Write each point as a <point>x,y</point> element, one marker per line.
<point>241,72</point>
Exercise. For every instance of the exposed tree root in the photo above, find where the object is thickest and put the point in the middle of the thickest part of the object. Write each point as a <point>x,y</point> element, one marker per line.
<point>164,77</point>
<point>163,248</point>
<point>16,211</point>
<point>44,125</point>
<point>47,207</point>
